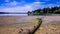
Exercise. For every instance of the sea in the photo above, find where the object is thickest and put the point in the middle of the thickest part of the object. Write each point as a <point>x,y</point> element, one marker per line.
<point>13,15</point>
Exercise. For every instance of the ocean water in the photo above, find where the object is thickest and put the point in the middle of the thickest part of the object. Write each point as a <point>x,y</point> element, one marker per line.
<point>13,15</point>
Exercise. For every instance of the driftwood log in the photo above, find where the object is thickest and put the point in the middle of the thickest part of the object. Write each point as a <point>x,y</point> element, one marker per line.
<point>37,26</point>
<point>34,29</point>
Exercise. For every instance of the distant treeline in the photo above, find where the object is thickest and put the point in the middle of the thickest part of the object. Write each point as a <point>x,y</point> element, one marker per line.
<point>12,13</point>
<point>52,10</point>
<point>4,13</point>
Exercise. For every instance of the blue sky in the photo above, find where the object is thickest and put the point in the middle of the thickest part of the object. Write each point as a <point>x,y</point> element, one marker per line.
<point>26,5</point>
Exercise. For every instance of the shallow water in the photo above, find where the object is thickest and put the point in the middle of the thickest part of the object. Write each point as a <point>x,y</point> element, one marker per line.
<point>13,15</point>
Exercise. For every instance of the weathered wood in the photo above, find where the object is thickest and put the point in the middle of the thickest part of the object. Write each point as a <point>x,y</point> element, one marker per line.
<point>33,29</point>
<point>36,28</point>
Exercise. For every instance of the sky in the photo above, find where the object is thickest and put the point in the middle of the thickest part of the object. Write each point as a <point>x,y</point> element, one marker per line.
<point>26,5</point>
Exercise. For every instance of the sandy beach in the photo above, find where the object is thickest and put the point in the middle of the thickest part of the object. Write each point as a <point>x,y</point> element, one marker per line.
<point>15,24</point>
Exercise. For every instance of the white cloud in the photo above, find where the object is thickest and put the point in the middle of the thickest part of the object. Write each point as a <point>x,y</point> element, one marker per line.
<point>16,9</point>
<point>25,8</point>
<point>52,5</point>
<point>36,5</point>
<point>48,5</point>
<point>14,3</point>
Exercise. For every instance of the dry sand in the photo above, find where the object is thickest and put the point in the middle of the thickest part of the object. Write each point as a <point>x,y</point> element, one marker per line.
<point>50,25</point>
<point>17,28</point>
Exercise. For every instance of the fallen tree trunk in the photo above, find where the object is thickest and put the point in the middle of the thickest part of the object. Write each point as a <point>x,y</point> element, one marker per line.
<point>36,27</point>
<point>33,28</point>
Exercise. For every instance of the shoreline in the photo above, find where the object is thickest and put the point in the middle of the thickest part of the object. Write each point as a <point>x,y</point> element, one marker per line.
<point>13,15</point>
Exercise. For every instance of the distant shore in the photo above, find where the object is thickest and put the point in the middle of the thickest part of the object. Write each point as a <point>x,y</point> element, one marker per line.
<point>13,15</point>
